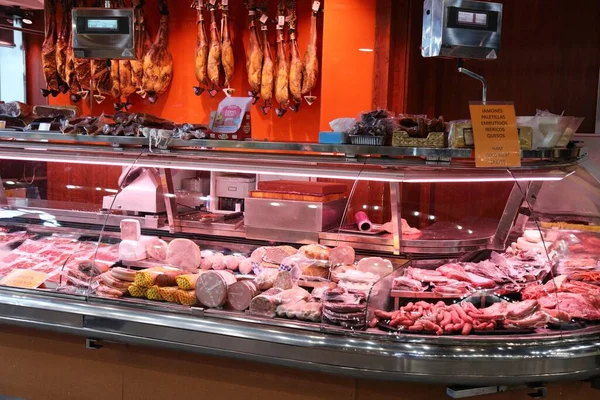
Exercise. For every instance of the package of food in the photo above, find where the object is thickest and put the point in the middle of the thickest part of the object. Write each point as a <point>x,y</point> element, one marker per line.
<point>157,249</point>
<point>232,119</point>
<point>137,291</point>
<point>153,293</point>
<point>187,282</point>
<point>240,294</point>
<point>145,278</point>
<point>187,297</point>
<point>302,267</point>
<point>569,132</point>
<point>211,288</point>
<point>372,128</point>
<point>461,134</point>
<point>169,293</point>
<point>265,303</point>
<point>168,278</point>
<point>184,254</point>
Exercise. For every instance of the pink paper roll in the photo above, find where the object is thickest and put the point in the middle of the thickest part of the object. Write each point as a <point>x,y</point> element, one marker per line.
<point>363,222</point>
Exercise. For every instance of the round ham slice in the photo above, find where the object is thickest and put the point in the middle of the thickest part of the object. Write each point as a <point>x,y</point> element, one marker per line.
<point>157,249</point>
<point>240,294</point>
<point>184,254</point>
<point>342,255</point>
<point>211,288</point>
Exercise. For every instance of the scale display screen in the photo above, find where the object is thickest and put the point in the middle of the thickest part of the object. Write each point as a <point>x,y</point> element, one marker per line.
<point>472,18</point>
<point>111,25</point>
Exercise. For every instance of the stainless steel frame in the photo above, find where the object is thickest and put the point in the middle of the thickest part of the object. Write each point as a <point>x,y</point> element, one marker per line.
<point>457,360</point>
<point>195,146</point>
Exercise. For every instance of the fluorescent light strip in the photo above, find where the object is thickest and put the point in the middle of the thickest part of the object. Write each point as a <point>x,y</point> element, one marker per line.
<point>486,179</point>
<point>362,177</point>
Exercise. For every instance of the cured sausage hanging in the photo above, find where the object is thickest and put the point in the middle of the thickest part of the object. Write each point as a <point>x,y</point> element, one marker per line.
<point>296,65</point>
<point>254,54</point>
<point>137,65</point>
<point>214,52</point>
<point>282,93</point>
<point>268,67</point>
<point>201,58</point>
<point>227,59</point>
<point>311,63</point>
<point>158,62</point>
<point>49,53</point>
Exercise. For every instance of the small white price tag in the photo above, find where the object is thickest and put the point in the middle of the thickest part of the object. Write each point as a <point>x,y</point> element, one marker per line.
<point>225,2</point>
<point>44,126</point>
<point>264,18</point>
<point>316,5</point>
<point>281,20</point>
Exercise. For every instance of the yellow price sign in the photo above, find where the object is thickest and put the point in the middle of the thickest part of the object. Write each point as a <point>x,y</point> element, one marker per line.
<point>495,135</point>
<point>23,278</point>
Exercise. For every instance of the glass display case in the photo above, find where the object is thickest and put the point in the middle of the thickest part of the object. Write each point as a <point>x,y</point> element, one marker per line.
<point>388,263</point>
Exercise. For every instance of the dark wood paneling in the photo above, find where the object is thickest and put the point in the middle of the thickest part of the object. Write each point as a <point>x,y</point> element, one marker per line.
<point>549,59</point>
<point>85,179</point>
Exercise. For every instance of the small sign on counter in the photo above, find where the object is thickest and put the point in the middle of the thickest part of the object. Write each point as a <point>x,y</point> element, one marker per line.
<point>495,135</point>
<point>23,278</point>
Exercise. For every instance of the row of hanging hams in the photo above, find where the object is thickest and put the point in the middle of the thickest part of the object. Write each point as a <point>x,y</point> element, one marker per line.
<point>287,76</point>
<point>149,76</point>
<point>214,59</point>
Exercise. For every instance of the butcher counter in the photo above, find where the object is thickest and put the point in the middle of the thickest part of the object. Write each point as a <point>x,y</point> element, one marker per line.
<point>414,184</point>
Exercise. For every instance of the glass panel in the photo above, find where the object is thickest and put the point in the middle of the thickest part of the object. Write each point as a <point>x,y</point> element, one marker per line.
<point>48,222</point>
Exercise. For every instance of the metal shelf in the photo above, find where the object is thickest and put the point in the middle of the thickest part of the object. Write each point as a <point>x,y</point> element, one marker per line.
<point>443,154</point>
<point>469,360</point>
<point>389,164</point>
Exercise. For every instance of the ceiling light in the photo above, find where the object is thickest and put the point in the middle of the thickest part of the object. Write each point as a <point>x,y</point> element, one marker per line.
<point>27,21</point>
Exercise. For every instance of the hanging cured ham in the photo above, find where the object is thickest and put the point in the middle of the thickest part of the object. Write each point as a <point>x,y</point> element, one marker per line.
<point>158,62</point>
<point>49,53</point>
<point>101,79</point>
<point>214,52</point>
<point>201,59</point>
<point>311,63</point>
<point>254,53</point>
<point>121,74</point>
<point>102,83</point>
<point>61,45</point>
<point>266,83</point>
<point>137,66</point>
<point>227,59</point>
<point>296,66</point>
<point>81,68</point>
<point>75,90</point>
<point>282,93</point>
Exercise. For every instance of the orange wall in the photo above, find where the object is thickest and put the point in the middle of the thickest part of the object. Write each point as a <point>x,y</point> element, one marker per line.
<point>181,105</point>
<point>344,88</point>
<point>347,73</point>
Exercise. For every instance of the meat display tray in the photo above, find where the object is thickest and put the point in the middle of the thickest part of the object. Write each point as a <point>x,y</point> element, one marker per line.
<point>407,294</point>
<point>386,327</point>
